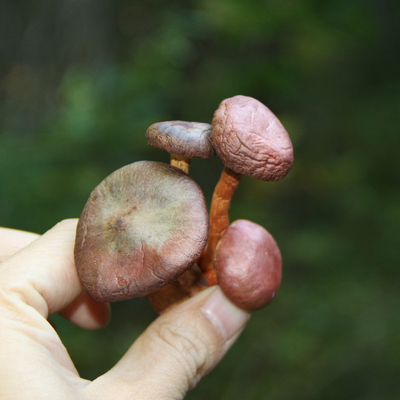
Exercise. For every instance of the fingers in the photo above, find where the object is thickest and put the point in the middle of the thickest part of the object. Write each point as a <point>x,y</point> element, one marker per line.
<point>168,359</point>
<point>176,350</point>
<point>12,240</point>
<point>87,313</point>
<point>83,311</point>
<point>43,273</point>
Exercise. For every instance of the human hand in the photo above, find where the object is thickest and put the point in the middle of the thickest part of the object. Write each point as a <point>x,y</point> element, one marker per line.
<point>38,278</point>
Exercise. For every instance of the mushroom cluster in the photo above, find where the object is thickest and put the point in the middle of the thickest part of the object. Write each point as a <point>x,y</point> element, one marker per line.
<point>145,230</point>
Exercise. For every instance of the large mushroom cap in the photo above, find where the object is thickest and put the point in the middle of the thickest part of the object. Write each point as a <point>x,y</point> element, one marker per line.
<point>250,139</point>
<point>186,139</point>
<point>141,228</point>
<point>248,265</point>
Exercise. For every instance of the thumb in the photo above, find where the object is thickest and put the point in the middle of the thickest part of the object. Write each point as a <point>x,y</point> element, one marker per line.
<point>175,351</point>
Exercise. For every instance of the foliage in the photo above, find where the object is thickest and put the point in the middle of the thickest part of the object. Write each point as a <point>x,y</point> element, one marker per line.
<point>81,82</point>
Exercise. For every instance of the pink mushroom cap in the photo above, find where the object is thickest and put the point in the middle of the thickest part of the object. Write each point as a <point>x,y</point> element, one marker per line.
<point>248,265</point>
<point>251,140</point>
<point>141,228</point>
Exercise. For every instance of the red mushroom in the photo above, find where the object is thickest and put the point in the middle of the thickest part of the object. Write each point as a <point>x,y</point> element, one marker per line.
<point>250,140</point>
<point>248,264</point>
<point>183,140</point>
<point>141,228</point>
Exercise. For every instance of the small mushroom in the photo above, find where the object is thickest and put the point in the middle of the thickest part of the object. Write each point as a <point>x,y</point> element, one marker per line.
<point>248,265</point>
<point>250,140</point>
<point>183,140</point>
<point>141,228</point>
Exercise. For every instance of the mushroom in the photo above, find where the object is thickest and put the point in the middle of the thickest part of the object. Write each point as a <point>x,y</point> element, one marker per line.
<point>183,140</point>
<point>248,264</point>
<point>250,140</point>
<point>141,228</point>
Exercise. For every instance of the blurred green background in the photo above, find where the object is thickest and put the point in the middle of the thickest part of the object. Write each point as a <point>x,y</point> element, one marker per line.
<point>80,81</point>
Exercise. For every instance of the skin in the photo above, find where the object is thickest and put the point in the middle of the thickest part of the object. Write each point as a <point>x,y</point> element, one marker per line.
<point>166,361</point>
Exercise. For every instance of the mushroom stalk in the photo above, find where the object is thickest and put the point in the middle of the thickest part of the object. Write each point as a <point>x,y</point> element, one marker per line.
<point>172,294</point>
<point>191,282</point>
<point>219,219</point>
<point>180,162</point>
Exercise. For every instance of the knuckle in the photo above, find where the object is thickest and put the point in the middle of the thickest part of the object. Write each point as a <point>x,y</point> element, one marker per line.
<point>187,348</point>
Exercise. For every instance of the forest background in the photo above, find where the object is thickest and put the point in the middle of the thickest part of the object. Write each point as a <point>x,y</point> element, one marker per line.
<point>80,81</point>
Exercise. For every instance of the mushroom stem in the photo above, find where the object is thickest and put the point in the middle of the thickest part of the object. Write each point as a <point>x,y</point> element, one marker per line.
<point>219,220</point>
<point>172,294</point>
<point>180,162</point>
<point>191,282</point>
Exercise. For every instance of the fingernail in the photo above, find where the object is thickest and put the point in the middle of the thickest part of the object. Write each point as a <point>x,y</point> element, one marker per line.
<point>224,315</point>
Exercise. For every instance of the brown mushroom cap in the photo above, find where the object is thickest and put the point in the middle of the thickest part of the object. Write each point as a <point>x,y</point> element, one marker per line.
<point>250,139</point>
<point>141,228</point>
<point>187,139</point>
<point>248,265</point>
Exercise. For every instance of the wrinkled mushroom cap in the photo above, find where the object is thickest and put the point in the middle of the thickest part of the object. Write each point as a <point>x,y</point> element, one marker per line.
<point>141,228</point>
<point>248,265</point>
<point>186,139</point>
<point>250,139</point>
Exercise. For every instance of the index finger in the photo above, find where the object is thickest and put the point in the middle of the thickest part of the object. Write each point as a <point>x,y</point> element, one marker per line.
<point>43,273</point>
